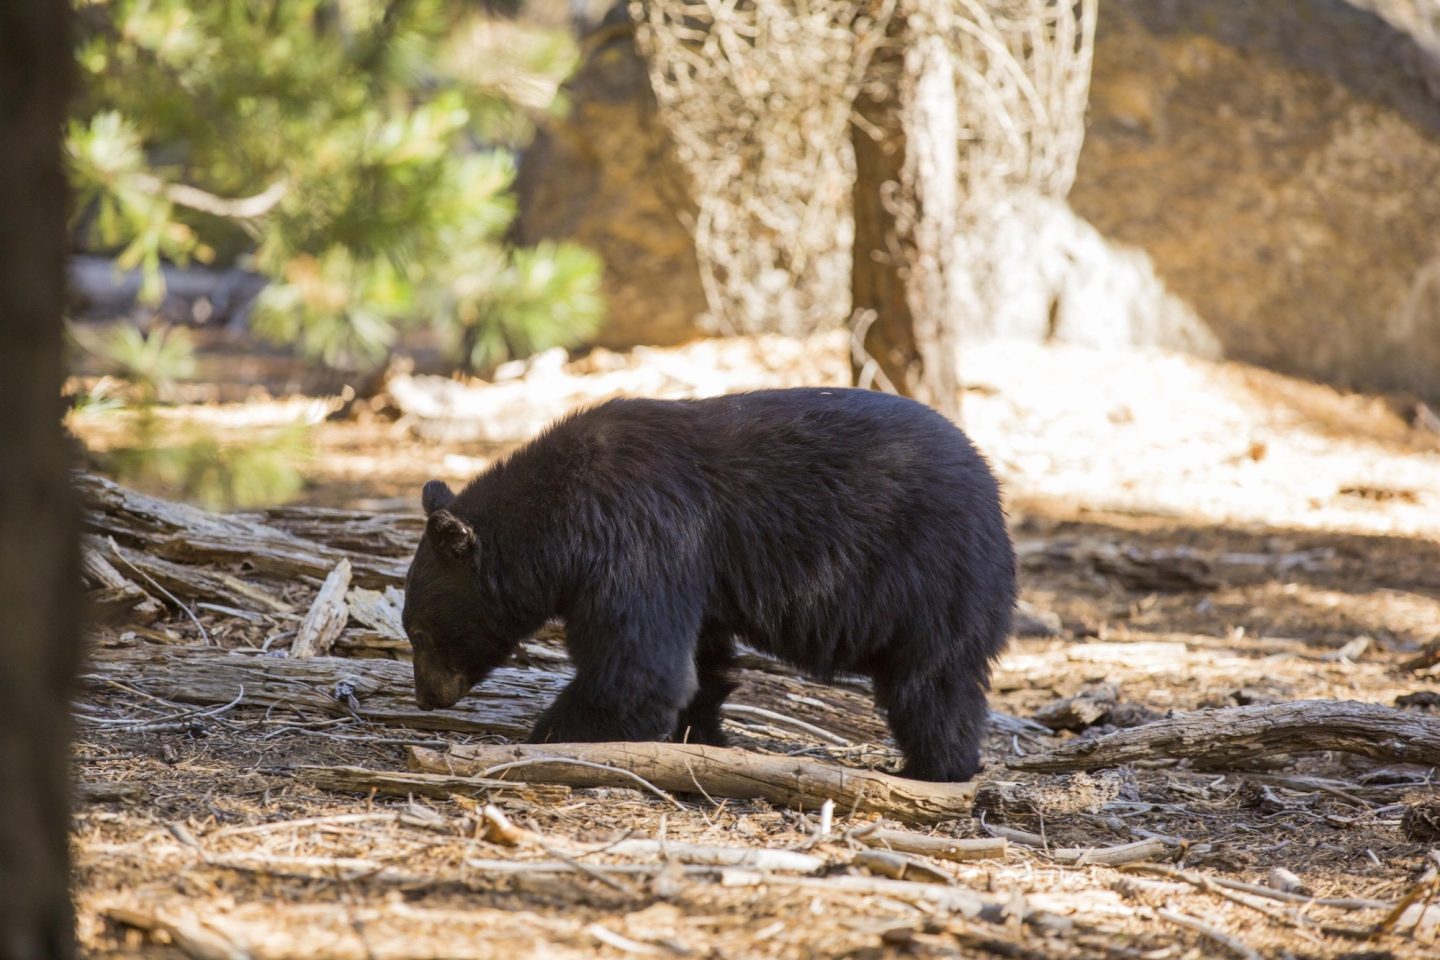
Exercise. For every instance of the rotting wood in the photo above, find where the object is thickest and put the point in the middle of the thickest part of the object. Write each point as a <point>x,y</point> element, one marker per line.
<point>326,617</point>
<point>186,534</point>
<point>358,530</point>
<point>119,593</point>
<point>195,938</point>
<point>378,610</point>
<point>717,772</point>
<point>1237,735</point>
<point>194,582</point>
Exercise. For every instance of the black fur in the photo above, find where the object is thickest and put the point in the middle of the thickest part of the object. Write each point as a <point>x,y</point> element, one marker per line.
<point>840,530</point>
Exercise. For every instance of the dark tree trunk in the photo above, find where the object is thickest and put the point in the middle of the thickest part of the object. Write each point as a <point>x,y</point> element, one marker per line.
<point>39,572</point>
<point>906,212</point>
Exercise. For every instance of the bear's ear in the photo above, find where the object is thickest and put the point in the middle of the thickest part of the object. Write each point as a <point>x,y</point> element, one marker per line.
<point>436,495</point>
<point>452,536</point>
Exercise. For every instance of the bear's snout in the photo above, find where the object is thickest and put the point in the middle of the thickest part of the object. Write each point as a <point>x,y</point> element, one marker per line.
<point>438,689</point>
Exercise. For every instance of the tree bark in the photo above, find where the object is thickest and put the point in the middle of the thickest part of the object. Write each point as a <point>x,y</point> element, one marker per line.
<point>39,558</point>
<point>906,203</point>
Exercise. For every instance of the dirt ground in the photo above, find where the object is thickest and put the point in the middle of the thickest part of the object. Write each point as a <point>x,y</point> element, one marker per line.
<point>1193,534</point>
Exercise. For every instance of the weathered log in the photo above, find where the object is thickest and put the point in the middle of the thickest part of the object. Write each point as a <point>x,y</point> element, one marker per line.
<point>364,531</point>
<point>1234,735</point>
<point>190,581</point>
<point>176,531</point>
<point>716,772</point>
<point>378,691</point>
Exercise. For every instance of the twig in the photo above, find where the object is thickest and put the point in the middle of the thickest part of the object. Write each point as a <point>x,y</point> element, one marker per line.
<point>625,944</point>
<point>956,899</point>
<point>1423,889</point>
<point>302,822</point>
<point>131,725</point>
<point>1254,903</point>
<point>1284,896</point>
<point>437,785</point>
<point>115,548</point>
<point>740,710</point>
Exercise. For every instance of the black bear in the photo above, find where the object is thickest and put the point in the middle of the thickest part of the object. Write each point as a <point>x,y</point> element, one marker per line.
<point>843,531</point>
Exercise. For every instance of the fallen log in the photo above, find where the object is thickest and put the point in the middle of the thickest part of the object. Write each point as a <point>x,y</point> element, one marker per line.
<point>713,771</point>
<point>1237,735</point>
<point>179,532</point>
<point>378,691</point>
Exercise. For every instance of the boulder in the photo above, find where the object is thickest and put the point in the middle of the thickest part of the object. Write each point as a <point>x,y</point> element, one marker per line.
<point>606,176</point>
<point>1279,162</point>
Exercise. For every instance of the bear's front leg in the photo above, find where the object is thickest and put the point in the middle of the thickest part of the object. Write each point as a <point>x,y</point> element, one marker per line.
<point>634,672</point>
<point>578,715</point>
<point>700,720</point>
<point>938,717</point>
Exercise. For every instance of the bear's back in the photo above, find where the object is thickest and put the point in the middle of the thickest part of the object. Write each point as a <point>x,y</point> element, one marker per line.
<point>797,518</point>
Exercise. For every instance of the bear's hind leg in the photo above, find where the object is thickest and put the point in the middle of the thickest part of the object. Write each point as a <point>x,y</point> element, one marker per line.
<point>938,719</point>
<point>700,720</point>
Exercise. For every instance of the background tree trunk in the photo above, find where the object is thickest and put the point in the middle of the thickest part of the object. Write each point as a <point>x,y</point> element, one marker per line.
<point>39,570</point>
<point>906,203</point>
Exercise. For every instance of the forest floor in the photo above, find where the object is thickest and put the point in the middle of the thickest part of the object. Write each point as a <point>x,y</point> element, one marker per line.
<point>1193,536</point>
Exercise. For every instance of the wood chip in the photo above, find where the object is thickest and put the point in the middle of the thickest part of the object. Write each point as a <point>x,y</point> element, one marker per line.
<point>326,616</point>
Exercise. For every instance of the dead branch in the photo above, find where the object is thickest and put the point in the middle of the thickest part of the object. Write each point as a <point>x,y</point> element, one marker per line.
<point>899,866</point>
<point>718,772</point>
<point>1225,737</point>
<point>953,899</point>
<point>941,848</point>
<point>1137,852</point>
<point>193,937</point>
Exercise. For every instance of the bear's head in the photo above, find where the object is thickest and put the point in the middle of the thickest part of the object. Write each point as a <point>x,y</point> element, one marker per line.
<point>448,616</point>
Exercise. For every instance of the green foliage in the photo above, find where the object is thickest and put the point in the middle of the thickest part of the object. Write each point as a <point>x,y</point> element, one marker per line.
<point>152,361</point>
<point>152,455</point>
<point>215,474</point>
<point>330,144</point>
